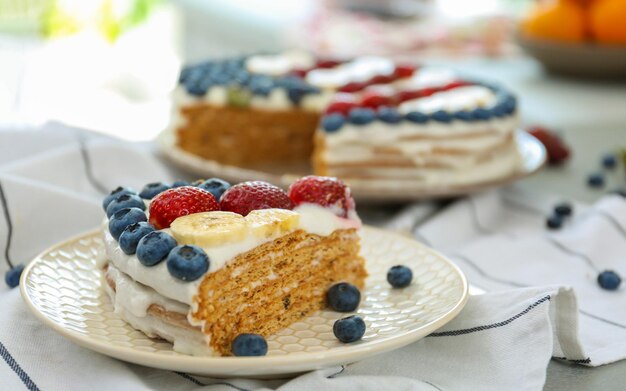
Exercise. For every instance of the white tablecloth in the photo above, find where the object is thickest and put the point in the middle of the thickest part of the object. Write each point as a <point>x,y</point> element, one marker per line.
<point>53,180</point>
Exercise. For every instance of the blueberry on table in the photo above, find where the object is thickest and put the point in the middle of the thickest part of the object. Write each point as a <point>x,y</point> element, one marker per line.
<point>399,276</point>
<point>132,234</point>
<point>609,280</point>
<point>215,186</point>
<point>249,345</point>
<point>114,194</point>
<point>123,218</point>
<point>150,190</point>
<point>563,209</point>
<point>609,161</point>
<point>349,329</point>
<point>595,180</point>
<point>12,276</point>
<point>343,297</point>
<point>154,247</point>
<point>187,262</point>
<point>554,221</point>
<point>125,201</point>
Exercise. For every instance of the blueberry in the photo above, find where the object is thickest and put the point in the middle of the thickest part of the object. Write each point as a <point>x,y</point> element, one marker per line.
<point>261,85</point>
<point>187,262</point>
<point>12,276</point>
<point>595,180</point>
<point>343,297</point>
<point>417,117</point>
<point>609,280</point>
<point>180,184</point>
<point>554,221</point>
<point>332,122</point>
<point>297,92</point>
<point>441,116</point>
<point>249,345</point>
<point>563,209</point>
<point>464,116</point>
<point>125,201</point>
<point>399,276</point>
<point>509,104</point>
<point>198,87</point>
<point>481,114</point>
<point>609,161</point>
<point>114,194</point>
<point>361,116</point>
<point>123,218</point>
<point>389,115</point>
<point>154,247</point>
<point>349,329</point>
<point>132,234</point>
<point>215,186</point>
<point>499,110</point>
<point>150,190</point>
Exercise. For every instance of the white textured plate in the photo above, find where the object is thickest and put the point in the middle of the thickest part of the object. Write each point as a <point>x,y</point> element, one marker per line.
<point>533,154</point>
<point>62,287</point>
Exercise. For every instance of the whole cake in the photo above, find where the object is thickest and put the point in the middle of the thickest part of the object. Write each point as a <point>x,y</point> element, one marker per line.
<point>365,119</point>
<point>200,265</point>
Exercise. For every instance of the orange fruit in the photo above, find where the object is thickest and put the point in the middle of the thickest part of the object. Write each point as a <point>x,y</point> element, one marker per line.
<point>556,20</point>
<point>608,21</point>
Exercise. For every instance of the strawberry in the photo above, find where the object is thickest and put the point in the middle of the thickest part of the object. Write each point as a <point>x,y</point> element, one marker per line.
<point>403,71</point>
<point>352,87</point>
<point>342,104</point>
<point>558,152</point>
<point>245,197</point>
<point>180,201</point>
<point>324,191</point>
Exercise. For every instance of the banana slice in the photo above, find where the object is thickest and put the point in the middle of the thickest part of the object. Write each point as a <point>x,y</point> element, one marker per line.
<point>265,223</point>
<point>209,228</point>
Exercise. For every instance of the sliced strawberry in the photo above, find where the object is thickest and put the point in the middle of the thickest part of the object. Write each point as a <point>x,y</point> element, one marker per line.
<point>327,63</point>
<point>327,192</point>
<point>375,99</point>
<point>245,197</point>
<point>342,103</point>
<point>353,87</point>
<point>557,150</point>
<point>403,71</point>
<point>180,201</point>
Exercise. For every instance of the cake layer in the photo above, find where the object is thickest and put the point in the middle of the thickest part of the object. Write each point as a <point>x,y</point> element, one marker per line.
<point>275,284</point>
<point>240,136</point>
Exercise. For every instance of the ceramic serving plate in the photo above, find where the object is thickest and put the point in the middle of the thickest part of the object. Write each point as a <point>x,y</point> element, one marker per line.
<point>63,288</point>
<point>532,151</point>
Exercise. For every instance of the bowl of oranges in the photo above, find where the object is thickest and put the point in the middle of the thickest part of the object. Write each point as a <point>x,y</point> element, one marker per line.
<point>577,37</point>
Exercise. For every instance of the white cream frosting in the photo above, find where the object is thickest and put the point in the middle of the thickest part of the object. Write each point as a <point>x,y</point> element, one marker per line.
<point>461,98</point>
<point>313,219</point>
<point>359,70</point>
<point>280,64</point>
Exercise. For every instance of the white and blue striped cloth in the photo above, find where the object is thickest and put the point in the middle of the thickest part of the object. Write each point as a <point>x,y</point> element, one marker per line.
<point>53,179</point>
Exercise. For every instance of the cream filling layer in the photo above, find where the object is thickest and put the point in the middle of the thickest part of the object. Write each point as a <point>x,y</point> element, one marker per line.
<point>313,219</point>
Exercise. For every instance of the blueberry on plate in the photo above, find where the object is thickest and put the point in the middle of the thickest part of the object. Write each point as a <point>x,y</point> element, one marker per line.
<point>609,280</point>
<point>361,116</point>
<point>332,122</point>
<point>132,234</point>
<point>563,209</point>
<point>249,345</point>
<point>150,190</point>
<point>399,276</point>
<point>12,276</point>
<point>595,180</point>
<point>554,221</point>
<point>343,297</point>
<point>349,329</point>
<point>123,218</point>
<point>187,262</point>
<point>215,186</point>
<point>125,201</point>
<point>114,194</point>
<point>154,247</point>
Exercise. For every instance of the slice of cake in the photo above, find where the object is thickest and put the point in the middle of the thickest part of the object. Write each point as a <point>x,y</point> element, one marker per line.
<point>366,119</point>
<point>200,273</point>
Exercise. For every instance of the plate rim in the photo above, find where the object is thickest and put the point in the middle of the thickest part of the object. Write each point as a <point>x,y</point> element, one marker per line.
<point>196,165</point>
<point>247,366</point>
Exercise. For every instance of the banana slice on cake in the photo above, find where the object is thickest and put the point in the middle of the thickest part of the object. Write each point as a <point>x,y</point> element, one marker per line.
<point>265,223</point>
<point>208,229</point>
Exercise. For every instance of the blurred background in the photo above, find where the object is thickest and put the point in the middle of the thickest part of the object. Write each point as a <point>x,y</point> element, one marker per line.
<point>109,65</point>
